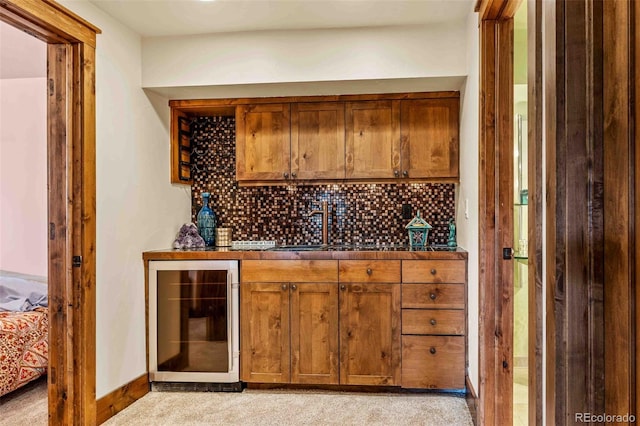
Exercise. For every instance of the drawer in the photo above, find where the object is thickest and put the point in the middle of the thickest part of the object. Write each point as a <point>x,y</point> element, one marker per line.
<point>438,296</point>
<point>433,271</point>
<point>369,271</point>
<point>296,271</point>
<point>433,362</point>
<point>433,321</point>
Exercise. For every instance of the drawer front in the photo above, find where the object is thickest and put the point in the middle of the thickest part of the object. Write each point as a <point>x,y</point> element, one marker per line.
<point>433,362</point>
<point>438,296</point>
<point>296,271</point>
<point>433,321</point>
<point>370,271</point>
<point>433,271</point>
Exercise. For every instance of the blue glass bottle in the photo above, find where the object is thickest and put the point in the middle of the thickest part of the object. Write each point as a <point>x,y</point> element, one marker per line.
<point>207,221</point>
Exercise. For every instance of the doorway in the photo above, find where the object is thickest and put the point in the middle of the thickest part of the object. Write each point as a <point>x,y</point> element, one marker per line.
<point>71,202</point>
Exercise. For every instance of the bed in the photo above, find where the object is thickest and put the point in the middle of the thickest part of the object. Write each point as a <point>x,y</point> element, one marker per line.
<point>24,329</point>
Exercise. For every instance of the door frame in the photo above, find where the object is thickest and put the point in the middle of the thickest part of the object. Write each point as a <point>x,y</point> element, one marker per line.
<point>71,202</point>
<point>496,211</point>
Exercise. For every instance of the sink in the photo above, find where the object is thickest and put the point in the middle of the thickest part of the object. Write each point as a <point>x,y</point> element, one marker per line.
<point>299,247</point>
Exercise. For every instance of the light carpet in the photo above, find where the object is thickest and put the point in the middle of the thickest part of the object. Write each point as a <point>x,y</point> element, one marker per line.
<point>258,407</point>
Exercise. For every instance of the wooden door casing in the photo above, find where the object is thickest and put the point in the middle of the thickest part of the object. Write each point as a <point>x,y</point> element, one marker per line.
<point>369,334</point>
<point>314,333</point>
<point>317,140</point>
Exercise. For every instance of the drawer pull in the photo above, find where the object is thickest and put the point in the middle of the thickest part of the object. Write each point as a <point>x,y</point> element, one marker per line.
<point>432,296</point>
<point>343,287</point>
<point>369,271</point>
<point>433,271</point>
<point>432,350</point>
<point>284,286</point>
<point>294,287</point>
<point>433,321</point>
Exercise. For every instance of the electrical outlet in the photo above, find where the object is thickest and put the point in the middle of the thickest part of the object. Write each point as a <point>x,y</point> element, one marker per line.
<point>406,211</point>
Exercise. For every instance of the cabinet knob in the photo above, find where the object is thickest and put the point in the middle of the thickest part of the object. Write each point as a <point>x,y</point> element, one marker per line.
<point>432,350</point>
<point>405,173</point>
<point>369,271</point>
<point>284,286</point>
<point>396,173</point>
<point>294,175</point>
<point>343,287</point>
<point>433,321</point>
<point>432,296</point>
<point>286,175</point>
<point>294,287</point>
<point>433,272</point>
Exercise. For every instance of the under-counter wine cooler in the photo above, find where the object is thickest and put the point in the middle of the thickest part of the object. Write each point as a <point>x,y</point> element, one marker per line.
<point>194,321</point>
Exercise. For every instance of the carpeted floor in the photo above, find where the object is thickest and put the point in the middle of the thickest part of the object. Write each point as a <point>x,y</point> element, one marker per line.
<point>259,407</point>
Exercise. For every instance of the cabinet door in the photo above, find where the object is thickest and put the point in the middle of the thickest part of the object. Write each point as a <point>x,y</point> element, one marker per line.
<point>370,334</point>
<point>263,142</point>
<point>430,138</point>
<point>314,333</point>
<point>264,331</point>
<point>373,139</point>
<point>317,140</point>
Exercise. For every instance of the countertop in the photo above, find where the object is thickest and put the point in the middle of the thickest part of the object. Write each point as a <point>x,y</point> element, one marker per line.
<point>350,252</point>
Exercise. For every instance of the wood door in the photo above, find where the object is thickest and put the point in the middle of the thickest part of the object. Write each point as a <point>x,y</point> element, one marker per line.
<point>370,334</point>
<point>263,142</point>
<point>314,333</point>
<point>317,140</point>
<point>430,143</point>
<point>373,139</point>
<point>264,331</point>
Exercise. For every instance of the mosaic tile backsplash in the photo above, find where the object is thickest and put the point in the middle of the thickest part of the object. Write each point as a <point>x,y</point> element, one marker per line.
<point>359,213</point>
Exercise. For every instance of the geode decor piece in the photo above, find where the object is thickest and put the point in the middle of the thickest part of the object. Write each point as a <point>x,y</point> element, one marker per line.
<point>188,237</point>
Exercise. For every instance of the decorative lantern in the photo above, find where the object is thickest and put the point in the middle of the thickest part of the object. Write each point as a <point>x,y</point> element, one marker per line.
<point>418,232</point>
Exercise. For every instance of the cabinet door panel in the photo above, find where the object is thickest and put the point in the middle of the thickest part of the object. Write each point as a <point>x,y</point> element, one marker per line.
<point>263,142</point>
<point>264,331</point>
<point>314,333</point>
<point>369,334</point>
<point>317,140</point>
<point>372,139</point>
<point>430,138</point>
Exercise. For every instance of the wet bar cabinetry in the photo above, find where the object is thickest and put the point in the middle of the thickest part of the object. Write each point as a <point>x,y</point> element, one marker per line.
<point>404,136</point>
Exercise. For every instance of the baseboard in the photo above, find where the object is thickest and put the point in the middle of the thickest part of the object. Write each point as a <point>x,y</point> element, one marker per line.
<point>472,401</point>
<point>116,401</point>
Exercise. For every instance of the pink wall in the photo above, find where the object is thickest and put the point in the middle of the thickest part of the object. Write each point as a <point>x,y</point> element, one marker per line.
<point>23,175</point>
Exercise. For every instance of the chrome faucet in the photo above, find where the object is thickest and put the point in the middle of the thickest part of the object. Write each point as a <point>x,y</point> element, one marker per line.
<point>325,218</point>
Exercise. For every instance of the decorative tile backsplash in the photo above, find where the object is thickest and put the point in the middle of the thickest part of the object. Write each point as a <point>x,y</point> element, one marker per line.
<point>359,213</point>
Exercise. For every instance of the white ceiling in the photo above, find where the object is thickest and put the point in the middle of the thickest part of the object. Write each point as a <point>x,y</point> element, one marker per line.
<point>152,18</point>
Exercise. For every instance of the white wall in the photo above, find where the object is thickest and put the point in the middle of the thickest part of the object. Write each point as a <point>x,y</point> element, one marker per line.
<point>304,56</point>
<point>468,189</point>
<point>137,208</point>
<point>23,171</point>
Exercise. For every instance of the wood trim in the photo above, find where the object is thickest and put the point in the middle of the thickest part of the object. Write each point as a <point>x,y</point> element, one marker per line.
<point>71,202</point>
<point>636,202</point>
<point>535,167</point>
<point>489,10</point>
<point>471,398</point>
<point>618,176</point>
<point>486,213</point>
<point>116,401</point>
<point>48,21</point>
<point>214,105</point>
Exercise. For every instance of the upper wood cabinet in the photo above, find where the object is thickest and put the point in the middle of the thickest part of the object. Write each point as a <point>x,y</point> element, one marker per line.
<point>373,139</point>
<point>263,135</point>
<point>317,140</point>
<point>429,129</point>
<point>411,136</point>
